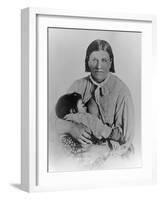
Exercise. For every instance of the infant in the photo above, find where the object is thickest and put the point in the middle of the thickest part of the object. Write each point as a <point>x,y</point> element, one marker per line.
<point>70,107</point>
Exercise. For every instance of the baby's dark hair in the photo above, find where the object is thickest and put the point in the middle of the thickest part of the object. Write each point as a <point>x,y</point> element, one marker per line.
<point>67,102</point>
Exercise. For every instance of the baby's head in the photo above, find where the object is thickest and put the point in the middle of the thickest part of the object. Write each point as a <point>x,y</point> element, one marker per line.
<point>69,103</point>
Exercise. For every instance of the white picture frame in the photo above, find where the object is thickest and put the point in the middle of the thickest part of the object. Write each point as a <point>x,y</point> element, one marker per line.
<point>34,175</point>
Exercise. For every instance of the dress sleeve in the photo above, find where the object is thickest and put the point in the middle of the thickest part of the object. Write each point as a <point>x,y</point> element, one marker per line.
<point>123,127</point>
<point>91,122</point>
<point>63,126</point>
<point>77,86</point>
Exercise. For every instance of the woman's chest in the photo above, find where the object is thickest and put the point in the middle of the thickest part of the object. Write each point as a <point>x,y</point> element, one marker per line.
<point>103,105</point>
<point>107,107</point>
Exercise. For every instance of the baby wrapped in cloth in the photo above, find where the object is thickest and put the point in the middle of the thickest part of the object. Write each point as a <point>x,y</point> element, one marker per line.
<point>90,121</point>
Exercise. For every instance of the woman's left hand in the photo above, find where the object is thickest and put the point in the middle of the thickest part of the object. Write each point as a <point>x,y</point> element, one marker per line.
<point>85,138</point>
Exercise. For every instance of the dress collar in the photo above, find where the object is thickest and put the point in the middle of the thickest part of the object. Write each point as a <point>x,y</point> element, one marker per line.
<point>102,83</point>
<point>100,90</point>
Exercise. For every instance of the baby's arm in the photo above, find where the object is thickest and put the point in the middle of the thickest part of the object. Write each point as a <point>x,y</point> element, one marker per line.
<point>100,130</point>
<point>92,123</point>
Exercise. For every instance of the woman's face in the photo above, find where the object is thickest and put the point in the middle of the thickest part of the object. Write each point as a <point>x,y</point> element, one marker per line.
<point>99,64</point>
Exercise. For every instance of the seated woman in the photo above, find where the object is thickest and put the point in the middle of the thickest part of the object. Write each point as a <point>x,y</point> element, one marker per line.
<point>109,94</point>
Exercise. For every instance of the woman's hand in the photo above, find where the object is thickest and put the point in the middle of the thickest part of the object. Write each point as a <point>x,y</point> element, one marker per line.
<point>82,134</point>
<point>85,138</point>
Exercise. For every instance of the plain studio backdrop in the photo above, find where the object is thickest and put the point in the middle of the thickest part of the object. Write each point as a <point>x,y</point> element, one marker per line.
<point>67,50</point>
<point>10,98</point>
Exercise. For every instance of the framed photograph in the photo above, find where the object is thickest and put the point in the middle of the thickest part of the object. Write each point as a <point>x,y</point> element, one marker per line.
<point>86,112</point>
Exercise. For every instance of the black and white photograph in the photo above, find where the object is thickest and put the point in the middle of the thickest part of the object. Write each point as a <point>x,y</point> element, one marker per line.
<point>94,99</point>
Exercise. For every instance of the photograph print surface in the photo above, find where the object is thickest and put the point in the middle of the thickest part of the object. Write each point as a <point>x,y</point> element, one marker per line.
<point>94,99</point>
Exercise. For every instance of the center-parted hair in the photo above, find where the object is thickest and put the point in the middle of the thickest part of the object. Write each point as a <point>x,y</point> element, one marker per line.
<point>97,45</point>
<point>67,102</point>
